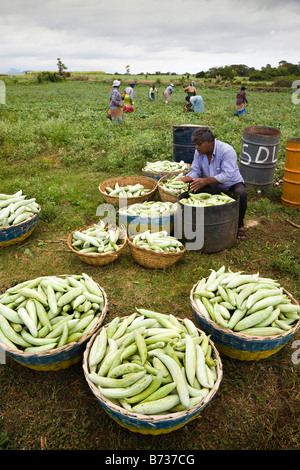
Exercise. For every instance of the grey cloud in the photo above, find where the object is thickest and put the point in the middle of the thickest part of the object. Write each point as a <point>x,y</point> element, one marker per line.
<point>147,32</point>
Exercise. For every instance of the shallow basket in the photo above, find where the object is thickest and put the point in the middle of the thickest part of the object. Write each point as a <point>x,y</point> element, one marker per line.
<point>165,174</point>
<point>153,259</point>
<point>148,183</point>
<point>238,345</point>
<point>151,424</point>
<point>164,195</point>
<point>57,358</point>
<point>13,234</point>
<point>100,259</point>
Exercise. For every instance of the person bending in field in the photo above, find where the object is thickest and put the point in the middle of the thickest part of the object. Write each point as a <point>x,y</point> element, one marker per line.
<point>195,104</point>
<point>168,92</point>
<point>215,165</point>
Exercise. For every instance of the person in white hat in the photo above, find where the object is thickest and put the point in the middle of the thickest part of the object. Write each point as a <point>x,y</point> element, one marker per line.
<point>115,105</point>
<point>168,92</point>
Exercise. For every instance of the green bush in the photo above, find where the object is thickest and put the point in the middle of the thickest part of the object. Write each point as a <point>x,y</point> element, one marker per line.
<point>49,77</point>
<point>285,81</point>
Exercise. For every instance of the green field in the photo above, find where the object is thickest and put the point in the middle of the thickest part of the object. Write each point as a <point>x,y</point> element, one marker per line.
<point>57,145</point>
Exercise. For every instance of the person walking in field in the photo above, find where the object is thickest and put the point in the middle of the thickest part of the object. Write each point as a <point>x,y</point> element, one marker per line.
<point>168,92</point>
<point>128,99</point>
<point>115,105</point>
<point>195,104</point>
<point>241,101</point>
<point>152,92</point>
<point>215,165</point>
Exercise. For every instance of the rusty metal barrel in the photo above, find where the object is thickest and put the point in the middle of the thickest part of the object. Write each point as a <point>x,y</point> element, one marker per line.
<point>258,157</point>
<point>183,147</point>
<point>291,180</point>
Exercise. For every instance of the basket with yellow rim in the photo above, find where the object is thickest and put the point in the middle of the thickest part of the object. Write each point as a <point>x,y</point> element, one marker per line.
<point>155,216</point>
<point>60,335</point>
<point>13,234</point>
<point>157,378</point>
<point>251,344</point>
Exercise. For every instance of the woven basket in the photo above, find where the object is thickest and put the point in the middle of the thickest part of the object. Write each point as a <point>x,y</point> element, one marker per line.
<point>152,259</point>
<point>57,358</point>
<point>151,424</point>
<point>100,259</point>
<point>148,183</point>
<point>164,195</point>
<point>238,345</point>
<point>166,174</point>
<point>14,234</point>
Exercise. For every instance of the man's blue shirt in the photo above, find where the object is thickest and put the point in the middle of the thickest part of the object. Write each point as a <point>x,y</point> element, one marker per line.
<point>223,166</point>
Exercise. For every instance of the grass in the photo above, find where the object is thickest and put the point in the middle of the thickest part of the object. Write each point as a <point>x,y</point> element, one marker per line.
<point>57,145</point>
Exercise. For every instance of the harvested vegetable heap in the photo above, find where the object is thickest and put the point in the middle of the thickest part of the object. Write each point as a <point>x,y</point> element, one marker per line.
<point>165,166</point>
<point>157,241</point>
<point>96,239</point>
<point>15,208</point>
<point>49,312</point>
<point>151,363</point>
<point>246,303</point>
<point>173,186</point>
<point>127,191</point>
<point>206,199</point>
<point>151,208</point>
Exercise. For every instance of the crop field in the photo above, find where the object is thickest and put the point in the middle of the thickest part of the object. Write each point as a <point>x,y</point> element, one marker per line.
<point>57,145</point>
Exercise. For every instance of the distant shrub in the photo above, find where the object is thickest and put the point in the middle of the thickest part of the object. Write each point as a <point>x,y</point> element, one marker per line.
<point>49,77</point>
<point>285,81</point>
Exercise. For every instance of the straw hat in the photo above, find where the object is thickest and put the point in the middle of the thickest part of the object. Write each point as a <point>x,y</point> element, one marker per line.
<point>116,83</point>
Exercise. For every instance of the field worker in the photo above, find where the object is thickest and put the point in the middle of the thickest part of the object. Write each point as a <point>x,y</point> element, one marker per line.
<point>128,99</point>
<point>215,165</point>
<point>168,92</point>
<point>152,92</point>
<point>115,105</point>
<point>195,104</point>
<point>241,101</point>
<point>191,90</point>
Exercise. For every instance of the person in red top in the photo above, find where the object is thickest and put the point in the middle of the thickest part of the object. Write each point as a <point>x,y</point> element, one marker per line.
<point>241,101</point>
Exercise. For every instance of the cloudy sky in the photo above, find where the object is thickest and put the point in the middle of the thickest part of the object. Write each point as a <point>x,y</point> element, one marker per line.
<point>156,35</point>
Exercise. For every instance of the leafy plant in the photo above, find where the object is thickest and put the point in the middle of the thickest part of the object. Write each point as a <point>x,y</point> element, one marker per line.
<point>49,77</point>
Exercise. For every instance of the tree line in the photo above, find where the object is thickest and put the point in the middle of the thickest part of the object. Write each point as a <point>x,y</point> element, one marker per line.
<point>267,73</point>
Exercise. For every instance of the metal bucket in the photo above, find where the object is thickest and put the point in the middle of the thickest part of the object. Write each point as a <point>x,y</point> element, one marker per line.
<point>208,229</point>
<point>258,156</point>
<point>183,147</point>
<point>291,179</point>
